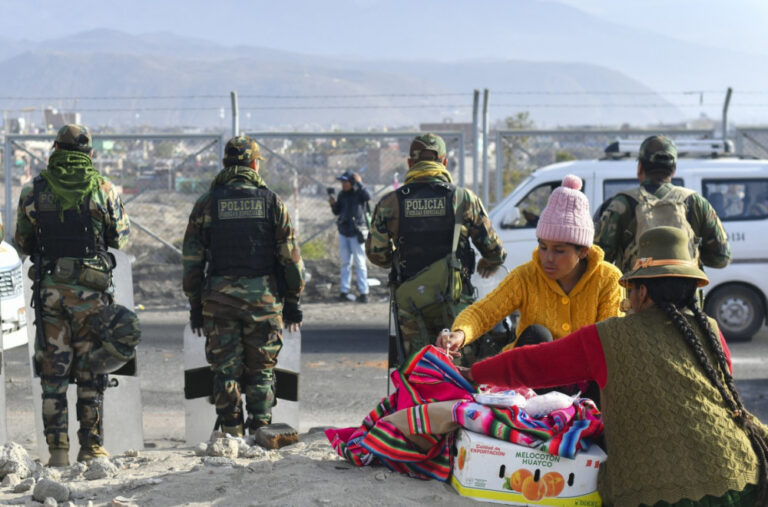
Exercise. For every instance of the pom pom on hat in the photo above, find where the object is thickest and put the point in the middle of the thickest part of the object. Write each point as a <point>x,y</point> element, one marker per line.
<point>566,218</point>
<point>573,181</point>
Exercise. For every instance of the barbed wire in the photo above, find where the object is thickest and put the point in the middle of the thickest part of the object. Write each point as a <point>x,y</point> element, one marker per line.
<point>388,106</point>
<point>376,95</point>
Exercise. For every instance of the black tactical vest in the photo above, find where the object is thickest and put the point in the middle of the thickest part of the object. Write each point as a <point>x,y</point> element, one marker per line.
<point>74,237</point>
<point>425,229</point>
<point>242,234</point>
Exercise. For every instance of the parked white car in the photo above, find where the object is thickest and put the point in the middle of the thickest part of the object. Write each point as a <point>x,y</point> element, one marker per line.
<point>12,307</point>
<point>736,188</point>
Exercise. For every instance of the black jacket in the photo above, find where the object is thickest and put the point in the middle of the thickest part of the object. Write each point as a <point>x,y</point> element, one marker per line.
<point>350,209</point>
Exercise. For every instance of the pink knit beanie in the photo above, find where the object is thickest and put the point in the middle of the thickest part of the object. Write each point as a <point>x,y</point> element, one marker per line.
<point>566,217</point>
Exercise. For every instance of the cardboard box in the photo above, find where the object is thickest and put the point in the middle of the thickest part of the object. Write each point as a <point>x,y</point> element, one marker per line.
<point>493,470</point>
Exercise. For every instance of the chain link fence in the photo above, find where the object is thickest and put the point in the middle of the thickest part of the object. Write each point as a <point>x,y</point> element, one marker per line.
<point>519,152</point>
<point>159,177</point>
<point>302,168</point>
<point>751,141</point>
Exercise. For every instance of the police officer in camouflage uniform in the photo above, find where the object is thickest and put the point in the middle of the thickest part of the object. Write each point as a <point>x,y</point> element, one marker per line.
<point>66,220</point>
<point>617,225</point>
<point>407,239</point>
<point>243,274</point>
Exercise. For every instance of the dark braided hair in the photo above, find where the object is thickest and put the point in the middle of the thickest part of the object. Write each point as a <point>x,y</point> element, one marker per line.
<point>672,294</point>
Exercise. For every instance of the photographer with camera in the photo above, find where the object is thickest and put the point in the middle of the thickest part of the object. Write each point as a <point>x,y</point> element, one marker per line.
<point>353,214</point>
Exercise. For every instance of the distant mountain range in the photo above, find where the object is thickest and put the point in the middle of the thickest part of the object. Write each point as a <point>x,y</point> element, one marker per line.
<point>533,55</point>
<point>385,94</point>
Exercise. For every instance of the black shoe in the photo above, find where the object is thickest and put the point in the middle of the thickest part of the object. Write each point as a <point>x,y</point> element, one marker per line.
<point>343,296</point>
<point>362,298</point>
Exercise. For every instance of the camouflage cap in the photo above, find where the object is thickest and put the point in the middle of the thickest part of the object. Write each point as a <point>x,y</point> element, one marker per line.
<point>74,137</point>
<point>659,150</point>
<point>427,142</point>
<point>242,149</point>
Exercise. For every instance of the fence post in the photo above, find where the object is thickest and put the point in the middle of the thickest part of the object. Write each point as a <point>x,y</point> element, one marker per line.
<point>295,181</point>
<point>475,141</point>
<point>235,115</point>
<point>726,105</point>
<point>8,159</point>
<point>462,168</point>
<point>485,146</point>
<point>499,169</point>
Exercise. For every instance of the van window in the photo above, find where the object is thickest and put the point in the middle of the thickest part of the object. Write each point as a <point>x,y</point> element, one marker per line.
<point>737,199</point>
<point>530,207</point>
<point>612,187</point>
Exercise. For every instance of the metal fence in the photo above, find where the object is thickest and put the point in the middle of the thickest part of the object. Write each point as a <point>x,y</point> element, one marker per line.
<point>302,166</point>
<point>751,141</point>
<point>159,177</point>
<point>517,153</point>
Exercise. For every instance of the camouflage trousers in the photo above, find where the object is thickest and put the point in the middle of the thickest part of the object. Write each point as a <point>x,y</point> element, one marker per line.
<point>419,329</point>
<point>242,349</point>
<point>66,310</point>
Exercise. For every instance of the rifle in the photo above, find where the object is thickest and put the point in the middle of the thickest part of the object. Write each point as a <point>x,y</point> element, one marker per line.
<point>37,304</point>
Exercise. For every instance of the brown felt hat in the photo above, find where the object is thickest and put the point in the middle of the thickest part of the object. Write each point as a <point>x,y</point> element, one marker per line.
<point>663,252</point>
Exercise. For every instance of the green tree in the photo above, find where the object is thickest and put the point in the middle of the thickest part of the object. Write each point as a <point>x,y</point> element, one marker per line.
<point>564,156</point>
<point>516,151</point>
<point>164,149</point>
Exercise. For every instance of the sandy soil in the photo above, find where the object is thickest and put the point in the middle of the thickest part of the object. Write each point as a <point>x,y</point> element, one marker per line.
<point>307,473</point>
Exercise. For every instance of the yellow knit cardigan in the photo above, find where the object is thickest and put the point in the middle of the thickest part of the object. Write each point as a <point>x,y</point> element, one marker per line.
<point>596,296</point>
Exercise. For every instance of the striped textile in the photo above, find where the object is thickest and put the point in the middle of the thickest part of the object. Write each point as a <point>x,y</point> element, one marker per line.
<point>563,432</point>
<point>429,376</point>
<point>411,447</point>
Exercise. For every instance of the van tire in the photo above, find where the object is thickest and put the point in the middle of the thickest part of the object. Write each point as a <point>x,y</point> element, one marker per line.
<point>738,309</point>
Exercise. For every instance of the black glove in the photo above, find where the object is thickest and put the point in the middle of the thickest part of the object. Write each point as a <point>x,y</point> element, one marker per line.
<point>292,314</point>
<point>196,319</point>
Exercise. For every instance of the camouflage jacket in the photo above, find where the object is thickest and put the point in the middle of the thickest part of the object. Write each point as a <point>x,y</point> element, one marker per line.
<point>257,294</point>
<point>615,229</point>
<point>380,245</point>
<point>107,216</point>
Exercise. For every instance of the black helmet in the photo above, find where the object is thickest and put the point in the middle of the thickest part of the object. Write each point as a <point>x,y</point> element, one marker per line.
<point>117,333</point>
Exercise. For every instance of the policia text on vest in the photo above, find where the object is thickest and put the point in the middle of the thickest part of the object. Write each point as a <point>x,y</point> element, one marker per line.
<point>241,208</point>
<point>425,207</point>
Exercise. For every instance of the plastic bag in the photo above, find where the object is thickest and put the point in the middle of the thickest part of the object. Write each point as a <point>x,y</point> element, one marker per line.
<point>542,405</point>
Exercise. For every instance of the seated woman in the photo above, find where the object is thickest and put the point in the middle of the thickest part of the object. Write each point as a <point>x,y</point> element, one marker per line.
<point>676,429</point>
<point>565,286</point>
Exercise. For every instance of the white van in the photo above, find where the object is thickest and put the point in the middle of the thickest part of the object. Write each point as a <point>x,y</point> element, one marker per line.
<point>12,307</point>
<point>737,189</point>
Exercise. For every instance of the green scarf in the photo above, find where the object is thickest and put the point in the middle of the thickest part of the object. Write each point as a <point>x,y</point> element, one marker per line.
<point>428,169</point>
<point>237,172</point>
<point>72,178</point>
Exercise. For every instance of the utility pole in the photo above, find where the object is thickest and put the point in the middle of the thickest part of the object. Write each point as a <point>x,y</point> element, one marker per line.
<point>235,115</point>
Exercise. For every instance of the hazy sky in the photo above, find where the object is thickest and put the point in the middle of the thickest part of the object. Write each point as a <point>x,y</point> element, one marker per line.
<point>300,25</point>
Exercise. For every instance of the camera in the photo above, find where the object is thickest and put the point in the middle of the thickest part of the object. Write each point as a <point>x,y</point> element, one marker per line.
<point>331,191</point>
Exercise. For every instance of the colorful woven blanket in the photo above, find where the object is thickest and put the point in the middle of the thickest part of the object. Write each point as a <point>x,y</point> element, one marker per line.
<point>411,431</point>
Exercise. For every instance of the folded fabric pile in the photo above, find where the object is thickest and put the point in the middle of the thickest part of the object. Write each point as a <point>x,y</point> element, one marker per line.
<point>411,431</point>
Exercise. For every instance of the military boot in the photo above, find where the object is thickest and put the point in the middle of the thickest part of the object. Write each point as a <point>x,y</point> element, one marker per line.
<point>253,424</point>
<point>91,433</point>
<point>90,452</point>
<point>235,431</point>
<point>58,448</point>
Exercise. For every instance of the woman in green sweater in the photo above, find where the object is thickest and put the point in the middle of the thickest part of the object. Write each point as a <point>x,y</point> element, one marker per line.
<point>676,429</point>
